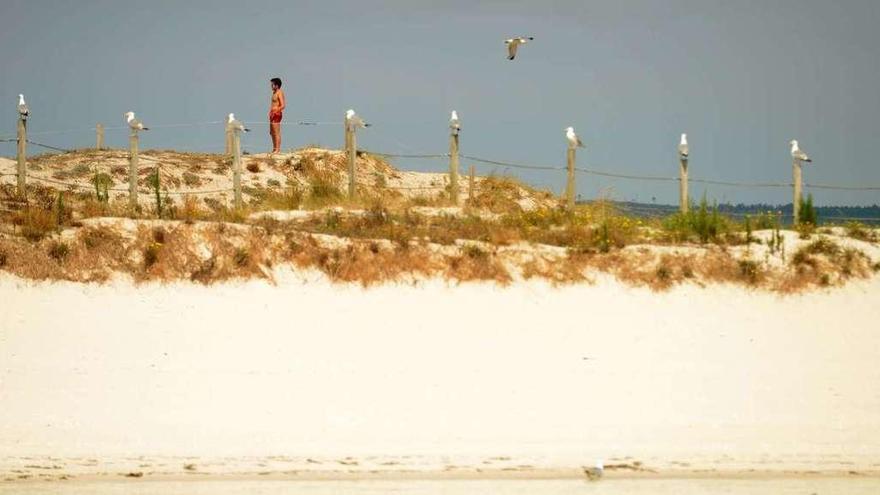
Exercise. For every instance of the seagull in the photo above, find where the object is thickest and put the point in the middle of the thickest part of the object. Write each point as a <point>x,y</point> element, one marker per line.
<point>134,123</point>
<point>683,147</point>
<point>354,120</point>
<point>595,472</point>
<point>22,108</point>
<point>797,153</point>
<point>513,43</point>
<point>573,140</point>
<point>454,124</point>
<point>234,124</point>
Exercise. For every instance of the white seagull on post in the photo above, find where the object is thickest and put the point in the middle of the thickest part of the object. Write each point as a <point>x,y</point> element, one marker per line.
<point>134,123</point>
<point>683,150</point>
<point>573,140</point>
<point>513,44</point>
<point>23,111</point>
<point>354,120</point>
<point>797,153</point>
<point>235,124</point>
<point>454,123</point>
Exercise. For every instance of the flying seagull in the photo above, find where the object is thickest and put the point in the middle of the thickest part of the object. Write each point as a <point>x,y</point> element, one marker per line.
<point>354,120</point>
<point>683,150</point>
<point>797,153</point>
<point>513,44</point>
<point>573,140</point>
<point>454,124</point>
<point>22,108</point>
<point>595,472</point>
<point>235,124</point>
<point>134,123</point>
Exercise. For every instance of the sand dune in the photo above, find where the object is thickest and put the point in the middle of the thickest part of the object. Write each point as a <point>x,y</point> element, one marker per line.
<point>543,379</point>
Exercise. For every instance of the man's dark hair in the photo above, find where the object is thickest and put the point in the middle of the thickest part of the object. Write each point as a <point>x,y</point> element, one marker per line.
<point>276,81</point>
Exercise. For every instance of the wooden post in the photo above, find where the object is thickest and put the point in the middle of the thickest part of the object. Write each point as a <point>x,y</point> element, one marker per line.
<point>796,200</point>
<point>569,186</point>
<point>236,167</point>
<point>99,137</point>
<point>453,166</point>
<point>22,157</point>
<point>351,144</point>
<point>471,189</point>
<point>133,169</point>
<point>229,146</point>
<point>683,185</point>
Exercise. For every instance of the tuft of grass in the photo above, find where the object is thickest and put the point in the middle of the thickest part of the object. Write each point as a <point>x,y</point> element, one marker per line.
<point>35,222</point>
<point>81,170</point>
<point>4,258</point>
<point>241,257</point>
<point>808,212</point>
<point>750,271</point>
<point>102,183</point>
<point>190,210</point>
<point>158,235</point>
<point>191,179</point>
<point>59,250</point>
<point>253,167</point>
<point>323,190</point>
<point>703,223</point>
<point>859,231</point>
<point>151,254</point>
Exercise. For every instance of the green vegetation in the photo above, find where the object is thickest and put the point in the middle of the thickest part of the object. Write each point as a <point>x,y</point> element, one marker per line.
<point>102,183</point>
<point>155,183</point>
<point>58,250</point>
<point>703,223</point>
<point>808,212</point>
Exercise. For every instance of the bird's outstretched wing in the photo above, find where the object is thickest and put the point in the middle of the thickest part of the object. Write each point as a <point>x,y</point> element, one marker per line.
<point>511,50</point>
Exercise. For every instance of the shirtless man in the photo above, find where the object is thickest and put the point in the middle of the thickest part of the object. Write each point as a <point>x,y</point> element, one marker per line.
<point>275,112</point>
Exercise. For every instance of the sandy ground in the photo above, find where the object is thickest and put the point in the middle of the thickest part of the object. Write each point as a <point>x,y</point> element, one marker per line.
<point>306,378</point>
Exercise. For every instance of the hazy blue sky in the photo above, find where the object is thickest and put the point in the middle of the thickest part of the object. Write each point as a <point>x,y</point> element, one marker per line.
<point>740,77</point>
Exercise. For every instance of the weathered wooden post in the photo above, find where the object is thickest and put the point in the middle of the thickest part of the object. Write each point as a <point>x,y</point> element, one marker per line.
<point>133,169</point>
<point>683,184</point>
<point>471,189</point>
<point>453,168</point>
<point>569,185</point>
<point>236,166</point>
<point>22,156</point>
<point>683,156</point>
<point>454,129</point>
<point>99,136</point>
<point>351,150</point>
<point>798,187</point>
<point>229,146</point>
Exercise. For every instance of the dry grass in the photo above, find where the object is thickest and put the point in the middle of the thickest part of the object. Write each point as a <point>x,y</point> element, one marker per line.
<point>824,263</point>
<point>208,241</point>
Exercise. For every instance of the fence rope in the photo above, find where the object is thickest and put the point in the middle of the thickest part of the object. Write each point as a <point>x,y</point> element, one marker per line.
<point>842,188</point>
<point>624,176</point>
<point>398,155</point>
<point>487,161</point>
<point>741,184</point>
<point>509,164</point>
<point>123,190</point>
<point>48,147</point>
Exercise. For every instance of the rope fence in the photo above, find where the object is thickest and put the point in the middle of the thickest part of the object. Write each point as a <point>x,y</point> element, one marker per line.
<point>234,149</point>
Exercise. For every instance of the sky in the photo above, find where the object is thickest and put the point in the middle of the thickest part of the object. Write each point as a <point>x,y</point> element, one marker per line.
<point>741,78</point>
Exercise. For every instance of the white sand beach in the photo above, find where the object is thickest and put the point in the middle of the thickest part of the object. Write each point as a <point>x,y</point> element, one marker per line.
<point>317,380</point>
